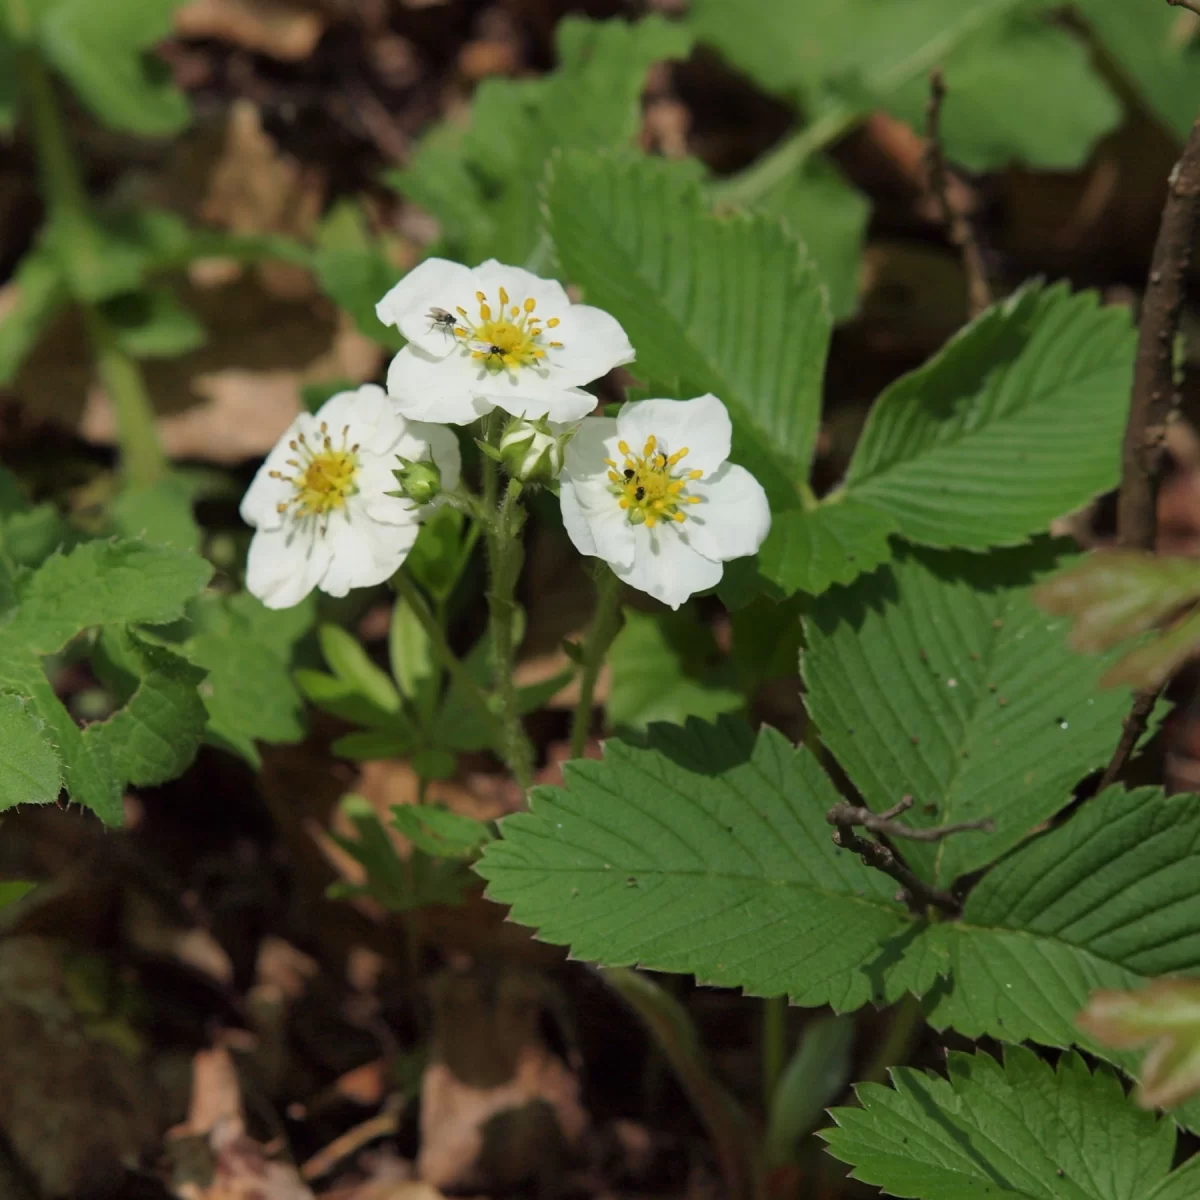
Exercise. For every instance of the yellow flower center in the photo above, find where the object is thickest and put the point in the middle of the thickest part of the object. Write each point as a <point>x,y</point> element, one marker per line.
<point>323,477</point>
<point>507,337</point>
<point>648,487</point>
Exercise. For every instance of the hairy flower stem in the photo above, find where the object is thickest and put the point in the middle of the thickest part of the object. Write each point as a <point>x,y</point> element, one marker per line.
<point>76,237</point>
<point>606,623</point>
<point>505,554</point>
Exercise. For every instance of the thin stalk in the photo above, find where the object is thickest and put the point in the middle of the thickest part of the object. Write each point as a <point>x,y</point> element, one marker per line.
<point>774,1046</point>
<point>142,459</point>
<point>441,647</point>
<point>505,553</point>
<point>605,625</point>
<point>901,1035</point>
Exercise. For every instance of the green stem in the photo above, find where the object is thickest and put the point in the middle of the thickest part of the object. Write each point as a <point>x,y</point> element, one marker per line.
<point>606,623</point>
<point>505,553</point>
<point>749,186</point>
<point>142,459</point>
<point>774,1046</point>
<point>450,661</point>
<point>902,1033</point>
<point>76,238</point>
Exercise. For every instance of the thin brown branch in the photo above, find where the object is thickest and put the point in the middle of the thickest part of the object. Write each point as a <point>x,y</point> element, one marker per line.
<point>844,813</point>
<point>914,891</point>
<point>958,226</point>
<point>1155,395</point>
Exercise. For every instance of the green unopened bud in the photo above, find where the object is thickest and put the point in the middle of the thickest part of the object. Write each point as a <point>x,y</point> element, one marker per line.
<point>420,482</point>
<point>531,452</point>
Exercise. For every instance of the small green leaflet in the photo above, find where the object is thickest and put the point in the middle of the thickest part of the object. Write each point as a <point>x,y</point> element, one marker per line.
<point>938,677</point>
<point>40,291</point>
<point>111,584</point>
<point>29,766</point>
<point>1023,1129</point>
<point>481,183</point>
<point>440,832</point>
<point>665,667</point>
<point>731,306</point>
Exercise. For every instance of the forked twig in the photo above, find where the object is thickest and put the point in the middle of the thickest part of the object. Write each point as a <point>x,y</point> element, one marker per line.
<point>844,813</point>
<point>958,227</point>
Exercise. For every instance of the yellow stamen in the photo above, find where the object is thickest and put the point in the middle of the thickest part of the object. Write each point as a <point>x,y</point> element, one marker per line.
<point>485,312</point>
<point>624,448</point>
<point>651,442</point>
<point>552,323</point>
<point>503,296</point>
<point>696,474</point>
<point>651,521</point>
<point>677,456</point>
<point>614,477</point>
<point>679,517</point>
<point>531,304</point>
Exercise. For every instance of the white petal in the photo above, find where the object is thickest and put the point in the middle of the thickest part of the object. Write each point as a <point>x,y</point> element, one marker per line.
<point>593,343</point>
<point>732,518</point>
<point>594,441</point>
<point>356,561</point>
<point>701,425</point>
<point>548,294</point>
<point>575,521</point>
<point>435,283</point>
<point>375,480</point>
<point>443,391</point>
<point>284,565</point>
<point>259,505</point>
<point>598,529</point>
<point>526,394</point>
<point>667,568</point>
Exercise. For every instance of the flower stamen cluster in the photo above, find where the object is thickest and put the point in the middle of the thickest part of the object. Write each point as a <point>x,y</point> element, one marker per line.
<point>648,490</point>
<point>510,338</point>
<point>323,479</point>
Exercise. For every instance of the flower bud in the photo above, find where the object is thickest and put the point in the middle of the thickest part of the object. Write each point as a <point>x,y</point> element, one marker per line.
<point>531,452</point>
<point>419,482</point>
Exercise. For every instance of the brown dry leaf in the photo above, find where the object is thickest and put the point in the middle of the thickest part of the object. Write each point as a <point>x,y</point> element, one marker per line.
<point>454,1113</point>
<point>283,30</point>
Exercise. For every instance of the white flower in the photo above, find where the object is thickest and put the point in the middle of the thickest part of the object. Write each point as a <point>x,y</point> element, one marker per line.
<point>652,494</point>
<point>493,336</point>
<point>319,504</point>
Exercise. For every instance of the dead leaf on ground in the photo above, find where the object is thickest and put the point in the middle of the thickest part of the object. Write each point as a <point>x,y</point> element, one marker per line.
<point>280,29</point>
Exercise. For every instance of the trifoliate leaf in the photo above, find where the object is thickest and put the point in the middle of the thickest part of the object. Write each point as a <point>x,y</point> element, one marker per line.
<point>939,678</point>
<point>440,832</point>
<point>1021,91</point>
<point>1155,47</point>
<point>1023,1129</point>
<point>830,218</point>
<point>353,270</point>
<point>29,768</point>
<point>39,290</point>
<point>1165,1014</point>
<point>482,183</point>
<point>105,583</point>
<point>152,323</point>
<point>1018,420</point>
<point>104,51</point>
<point>731,306</point>
<point>706,851</point>
<point>665,667</point>
<point>811,550</point>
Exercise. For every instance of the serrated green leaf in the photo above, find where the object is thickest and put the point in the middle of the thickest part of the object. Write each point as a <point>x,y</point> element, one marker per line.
<point>939,678</point>
<point>246,649</point>
<point>350,663</point>
<point>482,182</point>
<point>29,768</point>
<point>665,667</point>
<point>706,851</point>
<point>440,832</point>
<point>353,270</point>
<point>1103,901</point>
<point>103,49</point>
<point>731,306</point>
<point>40,291</point>
<point>1022,91</point>
<point>155,736</point>
<point>1155,47</point>
<point>830,217</point>
<point>811,550</point>
<point>28,538</point>
<point>152,323</point>
<point>1016,421</point>
<point>1024,1129</point>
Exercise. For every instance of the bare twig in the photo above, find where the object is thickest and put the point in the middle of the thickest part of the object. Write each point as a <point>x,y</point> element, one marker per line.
<point>958,226</point>
<point>1155,395</point>
<point>1190,5</point>
<point>914,891</point>
<point>843,813</point>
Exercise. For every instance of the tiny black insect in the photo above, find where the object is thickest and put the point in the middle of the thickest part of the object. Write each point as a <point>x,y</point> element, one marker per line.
<point>628,474</point>
<point>439,318</point>
<point>640,494</point>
